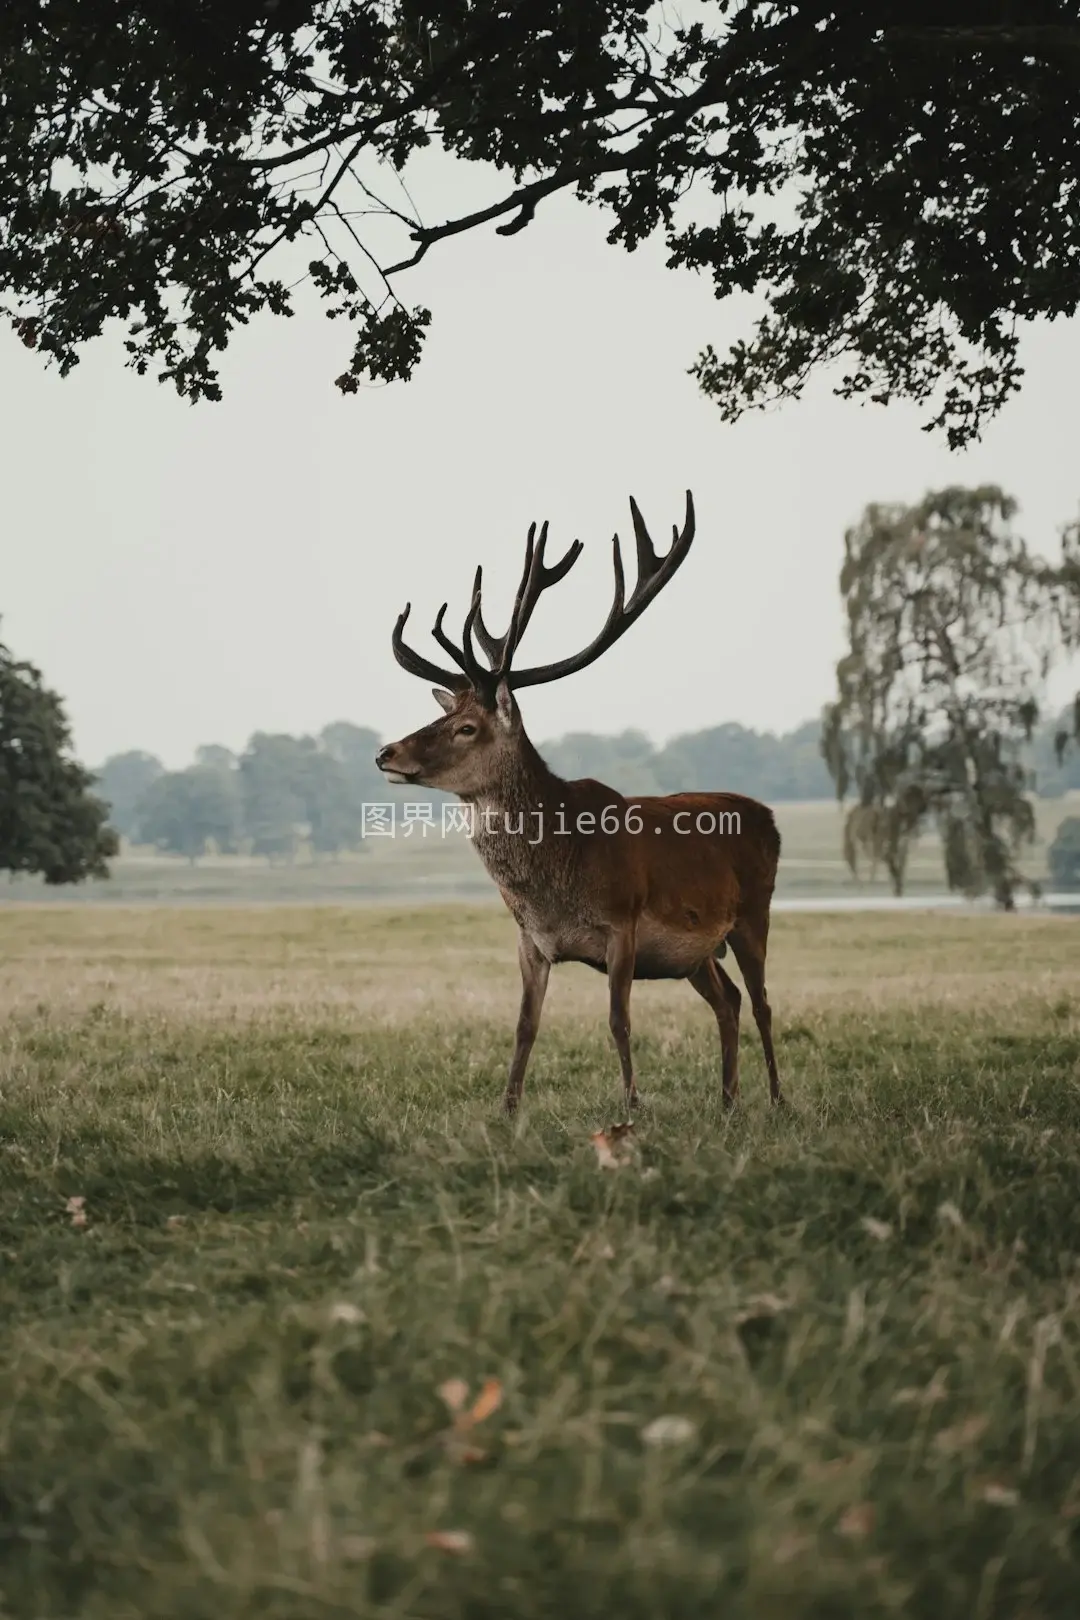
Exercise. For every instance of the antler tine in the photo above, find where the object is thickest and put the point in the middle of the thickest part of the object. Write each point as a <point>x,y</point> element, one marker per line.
<point>541,577</point>
<point>647,561</point>
<point>654,571</point>
<point>478,675</point>
<point>443,639</point>
<point>536,577</point>
<point>495,646</point>
<point>415,664</point>
<point>525,600</point>
<point>653,574</point>
<point>465,655</point>
<point>491,644</point>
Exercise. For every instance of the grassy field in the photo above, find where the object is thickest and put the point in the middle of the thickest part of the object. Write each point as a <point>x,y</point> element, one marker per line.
<point>418,866</point>
<point>262,1231</point>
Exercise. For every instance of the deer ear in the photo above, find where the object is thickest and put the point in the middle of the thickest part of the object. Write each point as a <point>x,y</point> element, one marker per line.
<point>445,700</point>
<point>505,711</point>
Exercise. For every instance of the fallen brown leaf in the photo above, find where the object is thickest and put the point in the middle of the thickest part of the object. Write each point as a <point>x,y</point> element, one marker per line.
<point>469,1454</point>
<point>488,1401</point>
<point>857,1520</point>
<point>454,1393</point>
<point>450,1541</point>
<point>614,1147</point>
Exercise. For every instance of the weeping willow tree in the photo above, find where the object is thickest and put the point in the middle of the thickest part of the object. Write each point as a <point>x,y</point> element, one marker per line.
<point>1065,584</point>
<point>952,628</point>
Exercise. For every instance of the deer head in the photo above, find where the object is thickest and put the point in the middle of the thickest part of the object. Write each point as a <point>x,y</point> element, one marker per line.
<point>480,732</point>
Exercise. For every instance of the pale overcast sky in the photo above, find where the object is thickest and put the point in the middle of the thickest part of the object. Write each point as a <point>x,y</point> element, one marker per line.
<point>191,574</point>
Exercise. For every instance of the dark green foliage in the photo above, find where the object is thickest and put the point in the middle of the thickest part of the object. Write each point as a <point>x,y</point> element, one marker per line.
<point>50,822</point>
<point>185,811</point>
<point>177,167</point>
<point>1063,856</point>
<point>952,627</point>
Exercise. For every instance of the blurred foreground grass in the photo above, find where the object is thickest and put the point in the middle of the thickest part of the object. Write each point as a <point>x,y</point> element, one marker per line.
<point>824,1364</point>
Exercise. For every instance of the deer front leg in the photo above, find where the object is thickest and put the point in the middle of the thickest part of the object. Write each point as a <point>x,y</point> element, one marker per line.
<point>534,981</point>
<point>621,951</point>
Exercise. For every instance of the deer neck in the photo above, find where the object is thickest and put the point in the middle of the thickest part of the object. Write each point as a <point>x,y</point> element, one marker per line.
<point>512,826</point>
<point>523,783</point>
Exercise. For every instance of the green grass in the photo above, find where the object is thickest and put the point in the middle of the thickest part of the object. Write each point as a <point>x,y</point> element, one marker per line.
<point>303,1214</point>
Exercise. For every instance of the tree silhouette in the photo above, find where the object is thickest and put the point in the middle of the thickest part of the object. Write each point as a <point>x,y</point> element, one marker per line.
<point>179,168</point>
<point>50,822</point>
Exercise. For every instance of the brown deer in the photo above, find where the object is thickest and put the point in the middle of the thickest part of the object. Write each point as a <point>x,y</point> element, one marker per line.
<point>649,888</point>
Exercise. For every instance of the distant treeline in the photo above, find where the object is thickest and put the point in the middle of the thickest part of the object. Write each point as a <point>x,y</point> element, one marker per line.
<point>283,793</point>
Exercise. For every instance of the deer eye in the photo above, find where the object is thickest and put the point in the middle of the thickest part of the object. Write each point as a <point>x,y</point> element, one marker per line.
<point>466,731</point>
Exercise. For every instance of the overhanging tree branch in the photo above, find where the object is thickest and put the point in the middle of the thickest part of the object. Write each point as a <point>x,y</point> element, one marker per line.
<point>937,166</point>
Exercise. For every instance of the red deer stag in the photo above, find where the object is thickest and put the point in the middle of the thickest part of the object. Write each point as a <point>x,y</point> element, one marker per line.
<point>650,888</point>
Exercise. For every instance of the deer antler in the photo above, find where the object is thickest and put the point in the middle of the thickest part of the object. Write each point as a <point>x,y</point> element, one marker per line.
<point>653,574</point>
<point>535,579</point>
<point>417,664</point>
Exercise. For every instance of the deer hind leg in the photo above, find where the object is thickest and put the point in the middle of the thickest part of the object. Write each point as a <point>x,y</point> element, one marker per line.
<point>534,982</point>
<point>722,993</point>
<point>750,955</point>
<point>621,952</point>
